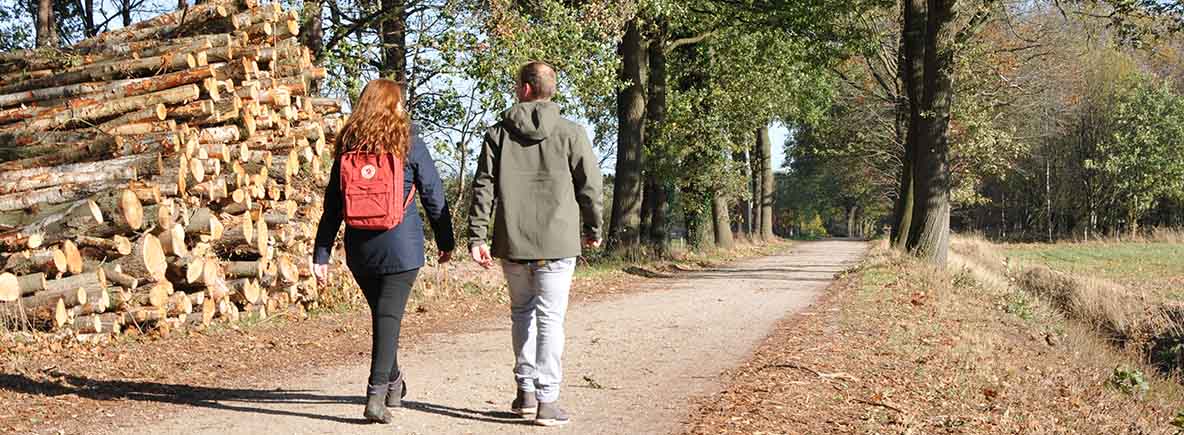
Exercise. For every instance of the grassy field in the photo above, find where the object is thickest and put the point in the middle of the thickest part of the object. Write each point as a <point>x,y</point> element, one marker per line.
<point>899,347</point>
<point>1154,268</point>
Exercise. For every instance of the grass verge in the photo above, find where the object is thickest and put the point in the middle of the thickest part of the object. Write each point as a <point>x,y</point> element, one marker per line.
<point>1115,288</point>
<point>898,347</point>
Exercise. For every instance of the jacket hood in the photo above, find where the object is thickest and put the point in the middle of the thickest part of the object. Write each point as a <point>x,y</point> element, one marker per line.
<point>533,120</point>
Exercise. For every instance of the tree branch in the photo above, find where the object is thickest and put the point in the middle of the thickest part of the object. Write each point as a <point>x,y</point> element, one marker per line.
<point>670,46</point>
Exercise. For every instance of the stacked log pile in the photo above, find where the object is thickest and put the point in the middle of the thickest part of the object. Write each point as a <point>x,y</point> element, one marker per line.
<point>162,175</point>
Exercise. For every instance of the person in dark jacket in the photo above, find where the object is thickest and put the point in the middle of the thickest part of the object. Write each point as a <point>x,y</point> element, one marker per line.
<point>385,263</point>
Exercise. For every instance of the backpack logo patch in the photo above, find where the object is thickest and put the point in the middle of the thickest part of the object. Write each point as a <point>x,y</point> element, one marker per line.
<point>368,171</point>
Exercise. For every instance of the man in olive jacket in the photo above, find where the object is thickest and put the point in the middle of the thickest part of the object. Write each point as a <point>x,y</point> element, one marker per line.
<point>540,182</point>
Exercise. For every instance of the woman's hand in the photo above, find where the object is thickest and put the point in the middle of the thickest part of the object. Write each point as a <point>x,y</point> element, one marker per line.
<point>321,271</point>
<point>445,256</point>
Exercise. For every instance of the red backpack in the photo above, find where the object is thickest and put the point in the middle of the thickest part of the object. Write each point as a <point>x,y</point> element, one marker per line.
<point>372,188</point>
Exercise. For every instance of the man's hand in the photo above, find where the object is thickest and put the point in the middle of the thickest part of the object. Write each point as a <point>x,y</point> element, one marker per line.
<point>481,255</point>
<point>321,271</point>
<point>591,243</point>
<point>445,256</point>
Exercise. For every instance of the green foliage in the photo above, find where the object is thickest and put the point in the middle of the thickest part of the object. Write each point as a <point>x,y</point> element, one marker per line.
<point>15,30</point>
<point>1129,381</point>
<point>812,228</point>
<point>579,40</point>
<point>1178,422</point>
<point>1019,303</point>
<point>1146,150</point>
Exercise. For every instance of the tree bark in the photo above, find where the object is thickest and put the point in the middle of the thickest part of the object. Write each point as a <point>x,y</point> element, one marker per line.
<point>907,73</point>
<point>852,221</point>
<point>624,231</point>
<point>745,206</point>
<point>394,41</point>
<point>766,199</point>
<point>930,117</point>
<point>659,189</point>
<point>647,204</point>
<point>313,28</point>
<point>125,12</point>
<point>722,222</point>
<point>88,18</point>
<point>46,32</point>
<point>756,166</point>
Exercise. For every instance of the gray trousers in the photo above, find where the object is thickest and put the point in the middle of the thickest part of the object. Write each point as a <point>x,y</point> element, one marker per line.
<point>538,305</point>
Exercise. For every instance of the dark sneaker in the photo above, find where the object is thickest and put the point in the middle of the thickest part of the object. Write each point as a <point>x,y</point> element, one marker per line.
<point>376,411</point>
<point>524,403</point>
<point>398,390</point>
<point>550,414</point>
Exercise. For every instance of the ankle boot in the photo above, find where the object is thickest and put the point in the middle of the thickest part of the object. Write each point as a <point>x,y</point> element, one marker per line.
<point>376,411</point>
<point>396,392</point>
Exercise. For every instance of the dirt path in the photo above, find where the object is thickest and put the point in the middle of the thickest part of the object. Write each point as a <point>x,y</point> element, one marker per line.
<point>632,363</point>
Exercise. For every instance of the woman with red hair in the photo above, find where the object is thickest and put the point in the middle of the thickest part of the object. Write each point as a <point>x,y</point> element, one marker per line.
<point>384,262</point>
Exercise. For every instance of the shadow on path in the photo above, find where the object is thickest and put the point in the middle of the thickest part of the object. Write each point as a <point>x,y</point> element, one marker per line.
<point>502,417</point>
<point>230,399</point>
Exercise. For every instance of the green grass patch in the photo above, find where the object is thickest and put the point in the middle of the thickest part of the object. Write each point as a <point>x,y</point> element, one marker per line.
<point>1154,268</point>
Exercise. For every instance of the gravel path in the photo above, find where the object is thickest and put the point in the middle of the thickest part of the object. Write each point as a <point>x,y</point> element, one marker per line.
<point>633,364</point>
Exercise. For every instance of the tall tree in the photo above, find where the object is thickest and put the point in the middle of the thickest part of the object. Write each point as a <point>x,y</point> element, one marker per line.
<point>657,176</point>
<point>312,32</point>
<point>766,199</point>
<point>394,42</point>
<point>929,47</point>
<point>47,34</point>
<point>755,167</point>
<point>722,221</point>
<point>624,226</point>
<point>125,11</point>
<point>87,9</point>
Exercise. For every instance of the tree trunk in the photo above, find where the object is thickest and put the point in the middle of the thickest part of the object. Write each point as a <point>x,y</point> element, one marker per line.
<point>659,192</point>
<point>929,234</point>
<point>626,214</point>
<point>722,222</point>
<point>692,217</point>
<point>746,204</point>
<point>46,34</point>
<point>125,12</point>
<point>852,222</point>
<point>902,211</point>
<point>88,18</point>
<point>647,204</point>
<point>766,198</point>
<point>756,185</point>
<point>394,42</point>
<point>312,27</point>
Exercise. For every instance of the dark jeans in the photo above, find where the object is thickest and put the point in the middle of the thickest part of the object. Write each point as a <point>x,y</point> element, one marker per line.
<point>387,296</point>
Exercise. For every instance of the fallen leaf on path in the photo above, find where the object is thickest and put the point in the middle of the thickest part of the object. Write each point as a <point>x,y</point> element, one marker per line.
<point>592,383</point>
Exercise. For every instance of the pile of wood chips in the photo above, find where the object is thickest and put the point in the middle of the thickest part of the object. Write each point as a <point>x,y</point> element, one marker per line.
<point>164,175</point>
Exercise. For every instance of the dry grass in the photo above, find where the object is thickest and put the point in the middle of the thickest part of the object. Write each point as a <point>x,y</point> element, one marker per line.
<point>898,347</point>
<point>1139,317</point>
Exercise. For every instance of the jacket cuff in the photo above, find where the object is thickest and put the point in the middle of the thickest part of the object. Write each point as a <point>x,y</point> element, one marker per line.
<point>446,244</point>
<point>320,254</point>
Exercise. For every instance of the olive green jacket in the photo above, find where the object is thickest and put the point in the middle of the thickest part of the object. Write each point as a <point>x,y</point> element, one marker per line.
<point>537,179</point>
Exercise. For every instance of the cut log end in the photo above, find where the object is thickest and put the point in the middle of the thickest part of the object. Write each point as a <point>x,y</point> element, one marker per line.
<point>132,209</point>
<point>10,287</point>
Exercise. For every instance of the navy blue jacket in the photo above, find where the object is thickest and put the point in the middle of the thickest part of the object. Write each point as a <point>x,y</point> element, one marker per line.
<point>399,249</point>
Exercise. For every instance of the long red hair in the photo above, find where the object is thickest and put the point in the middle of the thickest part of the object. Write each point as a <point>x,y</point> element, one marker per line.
<point>379,123</point>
